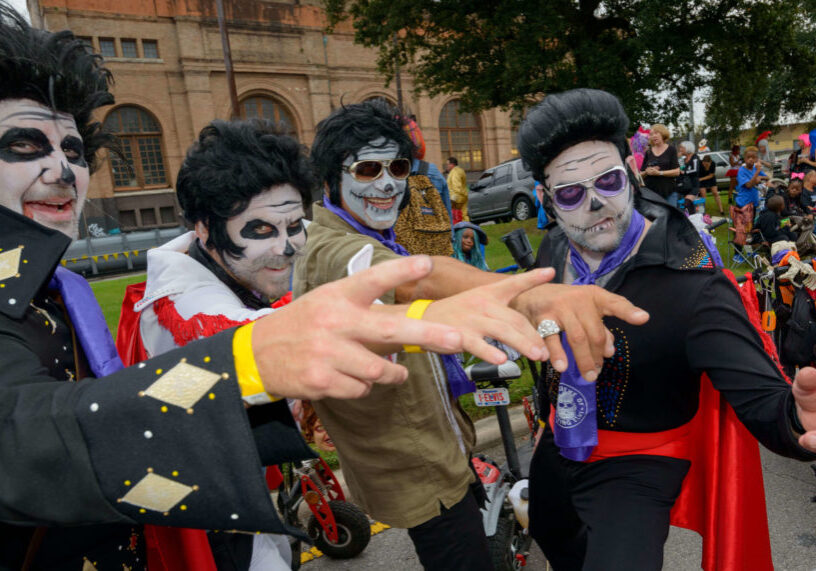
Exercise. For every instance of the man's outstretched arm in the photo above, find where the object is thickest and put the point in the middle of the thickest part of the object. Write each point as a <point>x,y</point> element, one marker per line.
<point>578,310</point>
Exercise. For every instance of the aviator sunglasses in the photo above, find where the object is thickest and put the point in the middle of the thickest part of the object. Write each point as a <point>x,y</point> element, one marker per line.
<point>371,169</point>
<point>609,183</point>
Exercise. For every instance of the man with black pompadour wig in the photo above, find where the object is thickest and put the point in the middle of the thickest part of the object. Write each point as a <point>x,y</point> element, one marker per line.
<point>405,452</point>
<point>607,474</point>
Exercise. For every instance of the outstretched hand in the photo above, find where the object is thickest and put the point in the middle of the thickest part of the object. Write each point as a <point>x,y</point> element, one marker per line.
<point>315,347</point>
<point>579,311</point>
<point>804,391</point>
<point>483,312</point>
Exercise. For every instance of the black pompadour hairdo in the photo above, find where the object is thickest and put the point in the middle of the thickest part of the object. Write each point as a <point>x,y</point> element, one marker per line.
<point>349,129</point>
<point>230,164</point>
<point>56,70</point>
<point>563,120</point>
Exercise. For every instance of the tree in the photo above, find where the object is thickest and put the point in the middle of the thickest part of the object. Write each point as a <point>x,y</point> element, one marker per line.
<point>756,58</point>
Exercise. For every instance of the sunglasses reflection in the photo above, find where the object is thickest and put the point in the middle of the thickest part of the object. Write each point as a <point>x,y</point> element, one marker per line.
<point>371,169</point>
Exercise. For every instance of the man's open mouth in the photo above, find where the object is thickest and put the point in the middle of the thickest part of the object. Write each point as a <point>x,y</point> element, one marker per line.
<point>377,202</point>
<point>51,209</point>
<point>380,203</point>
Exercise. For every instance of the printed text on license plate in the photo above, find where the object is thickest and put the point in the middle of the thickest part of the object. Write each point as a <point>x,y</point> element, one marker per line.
<point>492,397</point>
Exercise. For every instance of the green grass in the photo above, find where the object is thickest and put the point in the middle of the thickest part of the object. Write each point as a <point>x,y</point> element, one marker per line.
<point>110,293</point>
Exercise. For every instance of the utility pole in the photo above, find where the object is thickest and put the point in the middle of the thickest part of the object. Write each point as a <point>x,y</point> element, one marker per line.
<point>222,27</point>
<point>397,75</point>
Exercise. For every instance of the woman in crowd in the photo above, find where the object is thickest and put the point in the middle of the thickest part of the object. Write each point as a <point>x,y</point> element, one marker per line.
<point>766,157</point>
<point>735,161</point>
<point>465,247</point>
<point>708,181</point>
<point>688,182</point>
<point>661,166</point>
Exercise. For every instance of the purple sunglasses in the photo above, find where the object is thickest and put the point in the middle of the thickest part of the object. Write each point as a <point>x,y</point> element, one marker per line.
<point>609,183</point>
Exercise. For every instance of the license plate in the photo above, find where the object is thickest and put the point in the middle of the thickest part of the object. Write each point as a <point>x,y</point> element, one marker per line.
<point>492,397</point>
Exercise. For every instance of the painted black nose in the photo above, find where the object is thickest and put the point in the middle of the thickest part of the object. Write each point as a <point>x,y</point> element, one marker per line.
<point>288,250</point>
<point>595,204</point>
<point>67,176</point>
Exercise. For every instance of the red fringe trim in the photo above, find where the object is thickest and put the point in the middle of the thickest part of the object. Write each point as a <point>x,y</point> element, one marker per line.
<point>198,326</point>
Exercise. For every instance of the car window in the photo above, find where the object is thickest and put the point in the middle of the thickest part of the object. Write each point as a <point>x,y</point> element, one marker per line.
<point>502,175</point>
<point>718,159</point>
<point>486,174</point>
<point>522,172</point>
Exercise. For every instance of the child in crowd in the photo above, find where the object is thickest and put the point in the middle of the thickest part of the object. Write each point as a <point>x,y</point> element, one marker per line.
<point>769,221</point>
<point>748,178</point>
<point>795,203</point>
<point>313,429</point>
<point>708,181</point>
<point>465,247</point>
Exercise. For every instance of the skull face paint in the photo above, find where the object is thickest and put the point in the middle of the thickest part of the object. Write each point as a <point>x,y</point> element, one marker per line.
<point>599,222</point>
<point>376,203</point>
<point>272,234</point>
<point>43,173</point>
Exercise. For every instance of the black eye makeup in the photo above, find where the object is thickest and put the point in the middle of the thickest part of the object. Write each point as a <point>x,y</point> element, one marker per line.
<point>74,150</point>
<point>258,230</point>
<point>24,144</point>
<point>295,229</point>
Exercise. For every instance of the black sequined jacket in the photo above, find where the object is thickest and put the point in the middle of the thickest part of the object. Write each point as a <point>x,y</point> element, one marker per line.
<point>698,324</point>
<point>83,463</point>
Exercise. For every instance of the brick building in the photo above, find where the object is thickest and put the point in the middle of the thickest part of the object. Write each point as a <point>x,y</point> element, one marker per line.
<point>167,61</point>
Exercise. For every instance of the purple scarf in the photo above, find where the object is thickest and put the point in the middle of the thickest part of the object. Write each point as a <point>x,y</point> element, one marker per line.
<point>576,424</point>
<point>458,381</point>
<point>88,322</point>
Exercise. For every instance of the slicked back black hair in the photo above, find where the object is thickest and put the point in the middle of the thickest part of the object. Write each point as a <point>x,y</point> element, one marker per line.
<point>230,164</point>
<point>563,120</point>
<point>56,70</point>
<point>349,129</point>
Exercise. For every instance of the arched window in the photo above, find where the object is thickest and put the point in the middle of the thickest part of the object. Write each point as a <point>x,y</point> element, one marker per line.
<point>260,107</point>
<point>461,137</point>
<point>140,137</point>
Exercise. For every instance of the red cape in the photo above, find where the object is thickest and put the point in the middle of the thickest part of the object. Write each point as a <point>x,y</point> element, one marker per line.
<point>723,496</point>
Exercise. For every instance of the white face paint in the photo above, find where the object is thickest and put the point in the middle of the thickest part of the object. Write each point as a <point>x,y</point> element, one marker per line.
<point>599,223</point>
<point>374,204</point>
<point>43,174</point>
<point>272,234</point>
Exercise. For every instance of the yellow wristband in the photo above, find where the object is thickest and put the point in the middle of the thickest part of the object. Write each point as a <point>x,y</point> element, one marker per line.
<point>415,311</point>
<point>249,379</point>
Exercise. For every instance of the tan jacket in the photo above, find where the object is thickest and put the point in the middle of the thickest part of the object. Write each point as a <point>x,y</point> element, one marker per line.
<point>403,449</point>
<point>458,188</point>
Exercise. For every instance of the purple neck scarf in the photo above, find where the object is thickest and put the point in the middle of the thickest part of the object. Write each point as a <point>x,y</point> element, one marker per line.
<point>88,322</point>
<point>458,381</point>
<point>576,424</point>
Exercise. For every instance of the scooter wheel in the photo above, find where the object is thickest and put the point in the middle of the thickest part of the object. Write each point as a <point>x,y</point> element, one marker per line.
<point>508,541</point>
<point>353,531</point>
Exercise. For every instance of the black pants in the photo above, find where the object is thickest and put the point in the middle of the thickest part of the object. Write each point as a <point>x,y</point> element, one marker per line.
<point>609,515</point>
<point>454,540</point>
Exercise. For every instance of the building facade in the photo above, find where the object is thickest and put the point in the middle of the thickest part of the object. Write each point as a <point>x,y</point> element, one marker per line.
<point>168,65</point>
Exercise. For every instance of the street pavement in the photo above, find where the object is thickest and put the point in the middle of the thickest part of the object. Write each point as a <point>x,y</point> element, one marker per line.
<point>789,489</point>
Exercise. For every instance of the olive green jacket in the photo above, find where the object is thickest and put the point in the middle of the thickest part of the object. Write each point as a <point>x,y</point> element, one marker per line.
<point>403,449</point>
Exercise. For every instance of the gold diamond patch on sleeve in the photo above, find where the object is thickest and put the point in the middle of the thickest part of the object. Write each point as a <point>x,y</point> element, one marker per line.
<point>10,263</point>
<point>154,492</point>
<point>183,385</point>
